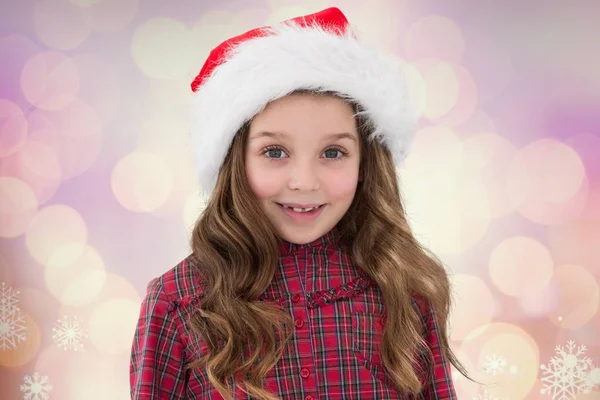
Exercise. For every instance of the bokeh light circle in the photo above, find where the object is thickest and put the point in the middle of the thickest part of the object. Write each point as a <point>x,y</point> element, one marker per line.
<point>37,165</point>
<point>466,102</point>
<point>109,16</point>
<point>473,307</point>
<point>521,354</point>
<point>78,282</point>
<point>442,85</point>
<point>74,134</point>
<point>57,236</point>
<point>59,24</point>
<point>546,171</point>
<point>13,127</point>
<point>435,36</point>
<point>578,297</point>
<point>518,350</point>
<point>162,48</point>
<point>142,181</point>
<point>447,208</point>
<point>18,206</point>
<point>112,325</point>
<point>50,80</point>
<point>486,157</point>
<point>520,266</point>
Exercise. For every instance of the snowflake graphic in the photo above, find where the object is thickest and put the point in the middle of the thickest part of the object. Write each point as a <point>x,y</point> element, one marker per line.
<point>568,373</point>
<point>494,364</point>
<point>69,334</point>
<point>35,387</point>
<point>12,323</point>
<point>485,396</point>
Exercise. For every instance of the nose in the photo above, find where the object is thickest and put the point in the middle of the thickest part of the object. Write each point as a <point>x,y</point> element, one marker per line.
<point>304,177</point>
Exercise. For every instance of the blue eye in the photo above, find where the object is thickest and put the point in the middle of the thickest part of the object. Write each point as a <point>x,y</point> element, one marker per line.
<point>274,152</point>
<point>333,153</point>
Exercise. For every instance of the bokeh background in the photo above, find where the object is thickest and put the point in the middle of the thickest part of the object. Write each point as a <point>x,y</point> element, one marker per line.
<point>98,193</point>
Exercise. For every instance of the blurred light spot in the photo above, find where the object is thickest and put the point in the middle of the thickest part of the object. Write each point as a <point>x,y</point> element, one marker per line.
<point>74,133</point>
<point>115,286</point>
<point>577,242</point>
<point>59,24</point>
<point>100,87</point>
<point>577,294</point>
<point>443,87</point>
<point>54,229</point>
<point>50,80</point>
<point>109,16</point>
<point>162,48</point>
<point>175,151</point>
<point>141,182</point>
<point>486,157</point>
<point>26,350</point>
<point>473,307</point>
<point>478,122</point>
<point>545,171</point>
<point>466,102</point>
<point>521,351</point>
<point>18,206</point>
<point>112,325</point>
<point>379,26</point>
<point>21,48</point>
<point>194,206</point>
<point>520,266</point>
<point>540,304</point>
<point>79,282</point>
<point>435,149</point>
<point>435,36</point>
<point>13,127</point>
<point>447,208</point>
<point>37,165</point>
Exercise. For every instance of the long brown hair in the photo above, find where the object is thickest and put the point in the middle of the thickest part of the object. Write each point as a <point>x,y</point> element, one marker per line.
<point>237,252</point>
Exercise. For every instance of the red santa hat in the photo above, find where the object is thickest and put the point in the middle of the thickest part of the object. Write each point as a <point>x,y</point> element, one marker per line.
<point>317,52</point>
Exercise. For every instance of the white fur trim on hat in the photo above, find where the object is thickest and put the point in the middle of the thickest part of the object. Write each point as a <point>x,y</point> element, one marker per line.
<point>266,68</point>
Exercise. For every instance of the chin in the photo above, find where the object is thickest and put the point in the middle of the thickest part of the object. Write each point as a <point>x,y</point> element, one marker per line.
<point>302,238</point>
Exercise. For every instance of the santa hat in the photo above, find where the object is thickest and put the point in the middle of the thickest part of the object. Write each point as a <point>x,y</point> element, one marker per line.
<point>317,52</point>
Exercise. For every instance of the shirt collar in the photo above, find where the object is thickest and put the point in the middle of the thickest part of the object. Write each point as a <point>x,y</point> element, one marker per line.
<point>329,240</point>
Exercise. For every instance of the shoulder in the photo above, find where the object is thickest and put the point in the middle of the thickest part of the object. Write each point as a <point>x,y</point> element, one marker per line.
<point>181,285</point>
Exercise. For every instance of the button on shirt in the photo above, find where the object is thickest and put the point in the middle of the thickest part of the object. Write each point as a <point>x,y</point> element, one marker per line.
<point>338,315</point>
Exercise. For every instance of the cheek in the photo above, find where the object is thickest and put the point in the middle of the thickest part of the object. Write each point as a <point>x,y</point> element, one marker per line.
<point>263,182</point>
<point>342,185</point>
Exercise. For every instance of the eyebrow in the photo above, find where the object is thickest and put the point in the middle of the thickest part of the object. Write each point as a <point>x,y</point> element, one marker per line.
<point>281,135</point>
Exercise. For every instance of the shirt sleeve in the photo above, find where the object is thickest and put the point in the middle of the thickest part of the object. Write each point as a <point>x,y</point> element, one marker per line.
<point>440,387</point>
<point>157,357</point>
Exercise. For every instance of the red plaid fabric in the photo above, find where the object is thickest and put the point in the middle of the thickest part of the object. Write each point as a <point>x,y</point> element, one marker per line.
<point>339,318</point>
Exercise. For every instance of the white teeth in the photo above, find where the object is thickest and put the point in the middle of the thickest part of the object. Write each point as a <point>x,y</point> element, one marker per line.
<point>301,210</point>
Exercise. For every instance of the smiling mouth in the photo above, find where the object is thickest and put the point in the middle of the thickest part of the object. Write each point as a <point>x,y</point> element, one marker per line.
<point>301,210</point>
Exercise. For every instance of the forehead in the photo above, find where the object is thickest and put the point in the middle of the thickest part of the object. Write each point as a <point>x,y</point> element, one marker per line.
<point>303,114</point>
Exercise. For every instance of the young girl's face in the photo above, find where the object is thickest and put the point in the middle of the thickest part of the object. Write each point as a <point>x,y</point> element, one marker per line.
<point>303,151</point>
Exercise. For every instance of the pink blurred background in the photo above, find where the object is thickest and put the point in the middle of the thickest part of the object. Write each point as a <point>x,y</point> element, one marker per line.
<point>98,193</point>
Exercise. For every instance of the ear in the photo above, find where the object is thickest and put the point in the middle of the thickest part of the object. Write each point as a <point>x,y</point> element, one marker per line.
<point>360,175</point>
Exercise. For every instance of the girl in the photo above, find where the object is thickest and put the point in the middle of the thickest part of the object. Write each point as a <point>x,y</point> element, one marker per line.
<point>305,281</point>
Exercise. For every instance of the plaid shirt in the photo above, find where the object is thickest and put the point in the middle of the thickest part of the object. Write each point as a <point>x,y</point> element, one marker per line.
<point>339,318</point>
